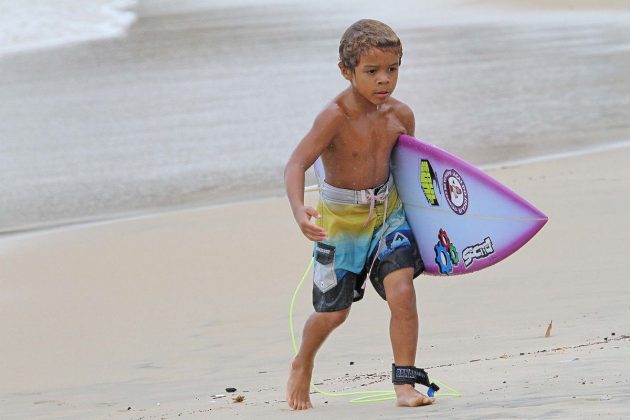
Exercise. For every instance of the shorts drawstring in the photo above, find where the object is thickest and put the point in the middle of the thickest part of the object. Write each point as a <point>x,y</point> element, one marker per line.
<point>383,228</point>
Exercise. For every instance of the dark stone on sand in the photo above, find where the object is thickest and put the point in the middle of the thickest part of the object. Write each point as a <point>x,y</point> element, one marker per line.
<point>230,389</point>
<point>351,363</point>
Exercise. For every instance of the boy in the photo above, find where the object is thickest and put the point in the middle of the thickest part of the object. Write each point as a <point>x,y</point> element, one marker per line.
<point>361,231</point>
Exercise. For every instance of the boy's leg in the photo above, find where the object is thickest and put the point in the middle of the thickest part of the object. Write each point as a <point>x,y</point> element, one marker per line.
<point>317,328</point>
<point>403,330</point>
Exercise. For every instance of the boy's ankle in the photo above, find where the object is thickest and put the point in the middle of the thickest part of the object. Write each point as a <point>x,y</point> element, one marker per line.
<point>403,387</point>
<point>299,363</point>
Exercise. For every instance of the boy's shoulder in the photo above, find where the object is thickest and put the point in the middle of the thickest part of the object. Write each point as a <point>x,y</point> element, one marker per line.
<point>403,113</point>
<point>400,108</point>
<point>333,115</point>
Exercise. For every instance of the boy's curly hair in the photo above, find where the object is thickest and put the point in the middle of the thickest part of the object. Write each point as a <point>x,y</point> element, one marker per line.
<point>364,35</point>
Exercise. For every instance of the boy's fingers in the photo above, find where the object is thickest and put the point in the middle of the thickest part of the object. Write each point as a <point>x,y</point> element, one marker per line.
<point>311,230</point>
<point>315,233</point>
<point>312,212</point>
<point>318,230</point>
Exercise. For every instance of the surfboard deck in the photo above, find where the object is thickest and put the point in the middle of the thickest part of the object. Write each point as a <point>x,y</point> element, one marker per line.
<point>463,219</point>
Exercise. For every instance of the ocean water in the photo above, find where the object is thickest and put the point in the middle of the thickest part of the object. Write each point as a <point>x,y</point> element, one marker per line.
<point>113,108</point>
<point>33,24</point>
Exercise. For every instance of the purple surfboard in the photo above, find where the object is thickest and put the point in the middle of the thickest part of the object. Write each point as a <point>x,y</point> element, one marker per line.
<point>463,219</point>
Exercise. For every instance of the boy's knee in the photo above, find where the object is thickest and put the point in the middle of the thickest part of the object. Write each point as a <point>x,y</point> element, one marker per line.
<point>400,287</point>
<point>336,318</point>
<point>401,295</point>
<point>403,292</point>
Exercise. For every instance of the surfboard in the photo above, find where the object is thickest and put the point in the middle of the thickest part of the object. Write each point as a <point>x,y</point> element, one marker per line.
<point>463,219</point>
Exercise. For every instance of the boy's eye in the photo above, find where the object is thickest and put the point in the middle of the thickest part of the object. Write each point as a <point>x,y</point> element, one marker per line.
<point>393,69</point>
<point>371,71</point>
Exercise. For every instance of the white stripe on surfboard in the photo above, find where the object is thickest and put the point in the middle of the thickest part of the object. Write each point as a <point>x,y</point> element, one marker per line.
<point>314,188</point>
<point>479,216</point>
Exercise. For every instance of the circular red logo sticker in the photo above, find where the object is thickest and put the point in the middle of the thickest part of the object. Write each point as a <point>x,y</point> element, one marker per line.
<point>455,191</point>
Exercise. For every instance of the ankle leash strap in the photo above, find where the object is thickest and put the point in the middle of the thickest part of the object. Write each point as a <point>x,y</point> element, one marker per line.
<point>412,375</point>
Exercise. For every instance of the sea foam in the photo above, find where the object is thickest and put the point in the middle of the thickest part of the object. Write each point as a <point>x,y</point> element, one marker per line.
<point>33,24</point>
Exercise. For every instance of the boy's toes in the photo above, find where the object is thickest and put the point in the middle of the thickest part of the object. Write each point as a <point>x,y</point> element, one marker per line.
<point>407,396</point>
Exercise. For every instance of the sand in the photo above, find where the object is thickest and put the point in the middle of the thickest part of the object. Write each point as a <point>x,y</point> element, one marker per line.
<point>155,317</point>
<point>557,5</point>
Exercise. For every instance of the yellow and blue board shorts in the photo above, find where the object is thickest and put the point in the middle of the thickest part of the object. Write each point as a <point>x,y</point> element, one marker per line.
<point>360,244</point>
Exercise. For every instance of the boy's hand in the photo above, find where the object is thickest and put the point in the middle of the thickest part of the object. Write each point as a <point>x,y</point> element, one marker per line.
<point>310,230</point>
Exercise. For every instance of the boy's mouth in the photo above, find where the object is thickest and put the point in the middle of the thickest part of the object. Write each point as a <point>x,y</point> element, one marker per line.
<point>382,93</point>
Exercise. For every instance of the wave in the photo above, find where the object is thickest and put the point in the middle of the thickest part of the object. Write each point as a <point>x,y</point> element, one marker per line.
<point>34,24</point>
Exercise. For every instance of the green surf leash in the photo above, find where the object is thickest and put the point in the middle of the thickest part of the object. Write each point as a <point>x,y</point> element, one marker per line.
<point>362,396</point>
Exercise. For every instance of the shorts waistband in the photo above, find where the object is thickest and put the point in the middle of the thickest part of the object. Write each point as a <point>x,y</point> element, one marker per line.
<point>367,196</point>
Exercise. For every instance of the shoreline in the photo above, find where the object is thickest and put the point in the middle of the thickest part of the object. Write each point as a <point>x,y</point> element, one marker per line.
<point>270,194</point>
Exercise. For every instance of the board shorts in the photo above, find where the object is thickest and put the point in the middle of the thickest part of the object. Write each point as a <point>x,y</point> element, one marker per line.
<point>359,244</point>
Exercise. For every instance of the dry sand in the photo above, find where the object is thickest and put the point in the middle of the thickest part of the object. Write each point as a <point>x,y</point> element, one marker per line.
<point>559,5</point>
<point>154,317</point>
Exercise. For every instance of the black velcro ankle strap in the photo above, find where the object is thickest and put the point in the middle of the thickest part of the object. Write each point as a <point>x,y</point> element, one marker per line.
<point>403,375</point>
<point>412,375</point>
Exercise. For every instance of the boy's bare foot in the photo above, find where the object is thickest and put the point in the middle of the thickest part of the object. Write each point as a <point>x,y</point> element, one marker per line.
<point>299,385</point>
<point>407,396</point>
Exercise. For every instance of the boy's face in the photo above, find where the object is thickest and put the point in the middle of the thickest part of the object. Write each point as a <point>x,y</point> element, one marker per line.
<point>375,76</point>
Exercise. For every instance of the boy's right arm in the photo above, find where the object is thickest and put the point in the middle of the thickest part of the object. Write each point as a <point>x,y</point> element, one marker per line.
<point>324,130</point>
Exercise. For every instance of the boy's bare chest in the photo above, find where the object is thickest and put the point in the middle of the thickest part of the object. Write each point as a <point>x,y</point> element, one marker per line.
<point>367,136</point>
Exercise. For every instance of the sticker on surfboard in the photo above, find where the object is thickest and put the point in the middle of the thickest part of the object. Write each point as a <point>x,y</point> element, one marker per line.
<point>455,191</point>
<point>429,182</point>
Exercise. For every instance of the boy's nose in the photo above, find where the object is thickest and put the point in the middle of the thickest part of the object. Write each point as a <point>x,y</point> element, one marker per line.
<point>383,81</point>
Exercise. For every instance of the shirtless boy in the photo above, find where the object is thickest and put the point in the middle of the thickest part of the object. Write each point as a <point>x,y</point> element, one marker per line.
<point>354,136</point>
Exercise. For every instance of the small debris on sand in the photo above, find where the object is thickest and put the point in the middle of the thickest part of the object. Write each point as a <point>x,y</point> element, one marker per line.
<point>238,398</point>
<point>548,333</point>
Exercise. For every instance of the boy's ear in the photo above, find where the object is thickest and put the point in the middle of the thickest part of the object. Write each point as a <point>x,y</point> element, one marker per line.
<point>345,71</point>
